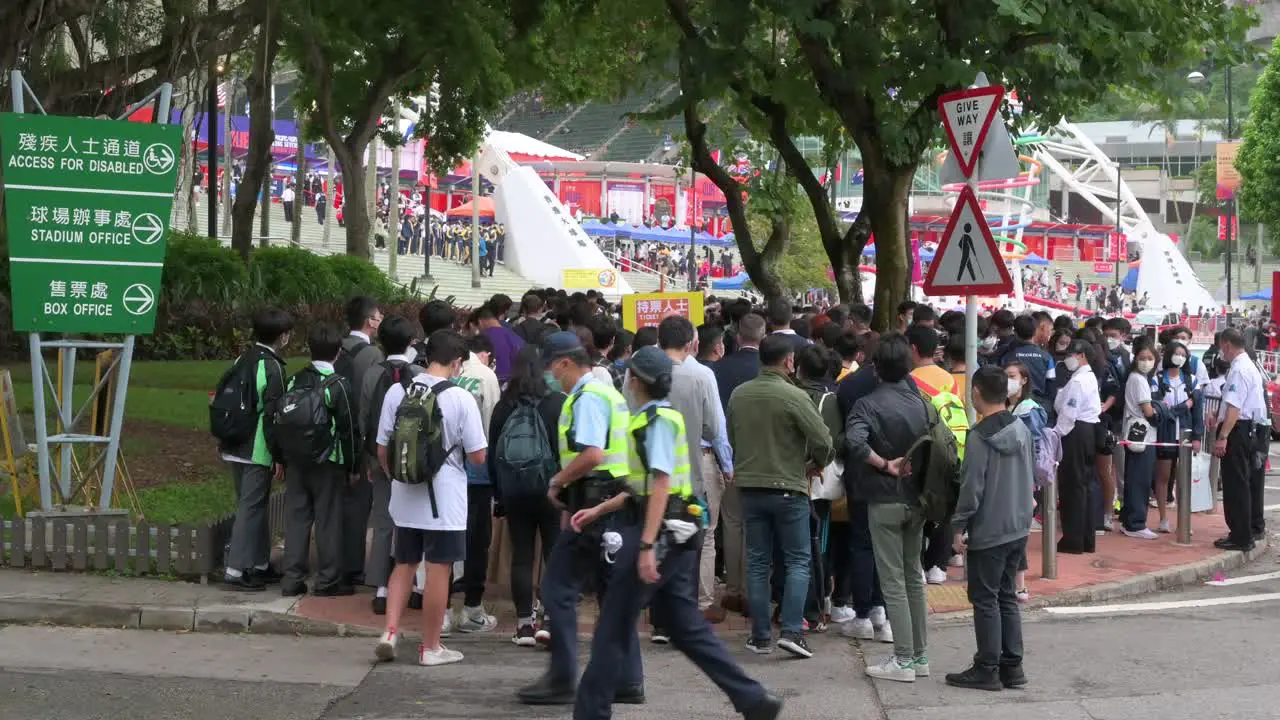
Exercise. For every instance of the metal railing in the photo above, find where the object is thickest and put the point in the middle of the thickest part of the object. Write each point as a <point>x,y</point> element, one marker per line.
<point>664,280</point>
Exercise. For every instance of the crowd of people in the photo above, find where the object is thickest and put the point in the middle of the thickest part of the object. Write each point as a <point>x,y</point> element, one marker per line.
<point>786,463</point>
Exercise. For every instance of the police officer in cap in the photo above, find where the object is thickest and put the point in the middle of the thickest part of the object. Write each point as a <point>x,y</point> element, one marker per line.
<point>660,522</point>
<point>593,468</point>
<point>1244,435</point>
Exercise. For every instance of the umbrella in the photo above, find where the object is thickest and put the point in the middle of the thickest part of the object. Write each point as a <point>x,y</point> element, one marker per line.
<point>737,282</point>
<point>464,210</point>
<point>1034,259</point>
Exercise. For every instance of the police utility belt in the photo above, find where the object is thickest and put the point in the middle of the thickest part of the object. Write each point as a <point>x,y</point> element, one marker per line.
<point>680,526</point>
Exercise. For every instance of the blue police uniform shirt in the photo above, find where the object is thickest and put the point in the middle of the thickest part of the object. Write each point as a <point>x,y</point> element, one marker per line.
<point>660,440</point>
<point>590,416</point>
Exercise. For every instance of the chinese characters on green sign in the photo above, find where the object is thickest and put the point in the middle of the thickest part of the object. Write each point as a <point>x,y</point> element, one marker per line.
<point>88,205</point>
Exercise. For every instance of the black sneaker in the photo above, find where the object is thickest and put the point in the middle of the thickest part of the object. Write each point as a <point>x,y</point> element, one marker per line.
<point>525,636</point>
<point>975,678</point>
<point>415,600</point>
<point>658,636</point>
<point>769,708</point>
<point>1012,676</point>
<point>244,583</point>
<point>794,643</point>
<point>547,691</point>
<point>293,589</point>
<point>379,606</point>
<point>759,647</point>
<point>270,576</point>
<point>633,695</point>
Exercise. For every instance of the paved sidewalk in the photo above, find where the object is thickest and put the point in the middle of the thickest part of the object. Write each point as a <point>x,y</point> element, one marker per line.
<point>1122,567</point>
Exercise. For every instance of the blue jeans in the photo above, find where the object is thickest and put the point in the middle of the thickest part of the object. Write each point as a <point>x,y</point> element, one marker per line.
<point>1138,471</point>
<point>561,584</point>
<point>674,598</point>
<point>781,518</point>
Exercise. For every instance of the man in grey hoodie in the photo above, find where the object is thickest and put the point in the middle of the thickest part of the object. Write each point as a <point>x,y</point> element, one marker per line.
<point>994,508</point>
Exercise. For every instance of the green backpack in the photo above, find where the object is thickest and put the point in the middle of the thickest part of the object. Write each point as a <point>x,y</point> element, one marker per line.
<point>936,467</point>
<point>417,449</point>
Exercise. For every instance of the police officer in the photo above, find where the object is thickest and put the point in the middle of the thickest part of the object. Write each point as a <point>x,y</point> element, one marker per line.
<point>593,467</point>
<point>1243,438</point>
<point>659,521</point>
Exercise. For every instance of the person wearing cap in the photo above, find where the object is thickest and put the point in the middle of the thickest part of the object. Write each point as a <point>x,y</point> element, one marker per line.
<point>1078,406</point>
<point>659,521</point>
<point>594,462</point>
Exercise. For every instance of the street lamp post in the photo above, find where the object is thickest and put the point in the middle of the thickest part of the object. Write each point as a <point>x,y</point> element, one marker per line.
<point>1119,229</point>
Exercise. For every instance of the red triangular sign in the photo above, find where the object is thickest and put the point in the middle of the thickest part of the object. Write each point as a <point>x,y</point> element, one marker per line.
<point>967,261</point>
<point>966,116</point>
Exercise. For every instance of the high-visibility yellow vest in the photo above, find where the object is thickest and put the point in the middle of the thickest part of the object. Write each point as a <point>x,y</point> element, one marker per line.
<point>682,477</point>
<point>950,409</point>
<point>616,445</point>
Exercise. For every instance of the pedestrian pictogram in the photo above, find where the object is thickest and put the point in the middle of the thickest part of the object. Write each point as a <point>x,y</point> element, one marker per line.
<point>138,299</point>
<point>158,159</point>
<point>148,229</point>
<point>967,116</point>
<point>967,261</point>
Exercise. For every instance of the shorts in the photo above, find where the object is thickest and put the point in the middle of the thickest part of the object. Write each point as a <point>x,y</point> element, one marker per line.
<point>410,546</point>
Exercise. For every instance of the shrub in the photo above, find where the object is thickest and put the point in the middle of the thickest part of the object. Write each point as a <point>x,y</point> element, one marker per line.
<point>199,268</point>
<point>291,276</point>
<point>357,276</point>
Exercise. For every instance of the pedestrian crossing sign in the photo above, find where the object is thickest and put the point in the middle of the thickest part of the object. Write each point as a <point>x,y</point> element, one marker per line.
<point>967,261</point>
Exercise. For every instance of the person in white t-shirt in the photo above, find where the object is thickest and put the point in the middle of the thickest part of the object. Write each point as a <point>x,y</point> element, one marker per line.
<point>439,537</point>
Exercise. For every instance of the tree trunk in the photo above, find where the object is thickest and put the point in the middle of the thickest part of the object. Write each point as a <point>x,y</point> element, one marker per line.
<point>355,213</point>
<point>299,193</point>
<point>264,224</point>
<point>228,158</point>
<point>845,257</point>
<point>187,181</point>
<point>885,195</point>
<point>257,166</point>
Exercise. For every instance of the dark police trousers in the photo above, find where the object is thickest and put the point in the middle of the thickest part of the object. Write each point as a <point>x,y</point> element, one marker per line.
<point>674,599</point>
<point>1242,486</point>
<point>561,584</point>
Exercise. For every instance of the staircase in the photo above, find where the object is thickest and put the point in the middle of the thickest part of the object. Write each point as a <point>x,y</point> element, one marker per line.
<point>451,277</point>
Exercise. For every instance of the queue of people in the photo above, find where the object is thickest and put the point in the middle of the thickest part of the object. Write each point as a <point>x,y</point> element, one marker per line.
<point>785,463</point>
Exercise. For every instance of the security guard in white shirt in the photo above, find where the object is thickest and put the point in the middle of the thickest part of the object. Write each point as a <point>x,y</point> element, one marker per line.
<point>1244,436</point>
<point>1077,407</point>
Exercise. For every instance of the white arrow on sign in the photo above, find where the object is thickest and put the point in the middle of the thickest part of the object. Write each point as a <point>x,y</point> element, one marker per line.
<point>967,261</point>
<point>158,159</point>
<point>148,229</point>
<point>138,299</point>
<point>966,116</point>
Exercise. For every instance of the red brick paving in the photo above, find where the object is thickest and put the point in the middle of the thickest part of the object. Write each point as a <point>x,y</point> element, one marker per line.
<point>1117,558</point>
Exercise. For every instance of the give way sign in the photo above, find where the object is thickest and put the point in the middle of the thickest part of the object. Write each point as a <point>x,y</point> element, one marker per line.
<point>967,261</point>
<point>966,116</point>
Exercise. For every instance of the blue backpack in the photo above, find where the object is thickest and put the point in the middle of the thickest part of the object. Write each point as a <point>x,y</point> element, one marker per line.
<point>525,460</point>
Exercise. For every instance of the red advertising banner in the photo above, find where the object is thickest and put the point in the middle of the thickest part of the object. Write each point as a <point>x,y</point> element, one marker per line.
<point>1222,227</point>
<point>1104,268</point>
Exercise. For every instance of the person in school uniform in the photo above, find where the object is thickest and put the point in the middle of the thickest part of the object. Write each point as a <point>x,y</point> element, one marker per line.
<point>248,558</point>
<point>313,490</point>
<point>1078,406</point>
<point>1242,443</point>
<point>657,562</point>
<point>359,354</point>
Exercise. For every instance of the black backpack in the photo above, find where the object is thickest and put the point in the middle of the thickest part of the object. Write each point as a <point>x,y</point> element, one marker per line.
<point>302,423</point>
<point>233,407</point>
<point>394,372</point>
<point>345,364</point>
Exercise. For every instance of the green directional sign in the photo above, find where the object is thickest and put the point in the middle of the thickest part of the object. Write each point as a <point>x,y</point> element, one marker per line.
<point>88,204</point>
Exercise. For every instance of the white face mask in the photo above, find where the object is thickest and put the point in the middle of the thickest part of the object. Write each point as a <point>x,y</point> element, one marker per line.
<point>1146,366</point>
<point>988,342</point>
<point>1015,387</point>
<point>1113,343</point>
<point>1178,360</point>
<point>1072,363</point>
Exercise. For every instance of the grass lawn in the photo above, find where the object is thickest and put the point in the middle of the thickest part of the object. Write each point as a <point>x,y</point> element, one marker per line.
<point>171,458</point>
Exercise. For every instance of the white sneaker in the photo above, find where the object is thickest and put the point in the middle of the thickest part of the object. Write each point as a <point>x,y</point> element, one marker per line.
<point>842,614</point>
<point>1036,526</point>
<point>477,621</point>
<point>1143,534</point>
<point>957,560</point>
<point>878,616</point>
<point>883,633</point>
<point>858,629</point>
<point>893,669</point>
<point>440,656</point>
<point>386,649</point>
<point>446,628</point>
<point>935,576</point>
<point>921,666</point>
<point>1164,527</point>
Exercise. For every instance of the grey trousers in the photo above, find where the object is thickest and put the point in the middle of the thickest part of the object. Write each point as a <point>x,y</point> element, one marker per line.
<point>251,530</point>
<point>313,495</point>
<point>356,502</point>
<point>997,621</point>
<point>897,532</point>
<point>377,571</point>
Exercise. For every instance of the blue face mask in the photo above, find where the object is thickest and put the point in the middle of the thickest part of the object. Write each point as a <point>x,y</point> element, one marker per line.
<point>551,381</point>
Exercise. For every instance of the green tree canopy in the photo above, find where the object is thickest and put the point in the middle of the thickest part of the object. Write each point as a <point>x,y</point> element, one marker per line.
<point>1259,159</point>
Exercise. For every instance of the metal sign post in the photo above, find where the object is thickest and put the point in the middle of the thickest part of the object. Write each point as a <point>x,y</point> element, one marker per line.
<point>88,205</point>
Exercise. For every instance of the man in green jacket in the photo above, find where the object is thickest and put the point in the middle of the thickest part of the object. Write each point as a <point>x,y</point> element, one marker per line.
<point>778,441</point>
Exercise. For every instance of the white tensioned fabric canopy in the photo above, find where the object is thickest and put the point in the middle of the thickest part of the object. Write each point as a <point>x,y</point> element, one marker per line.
<point>514,143</point>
